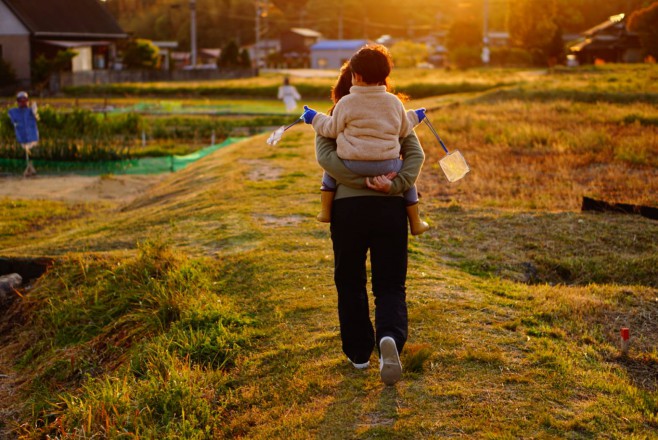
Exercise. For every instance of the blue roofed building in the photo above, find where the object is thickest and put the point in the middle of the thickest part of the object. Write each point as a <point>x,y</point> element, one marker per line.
<point>331,54</point>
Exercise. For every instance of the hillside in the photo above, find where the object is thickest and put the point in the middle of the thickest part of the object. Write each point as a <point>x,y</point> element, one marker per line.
<point>205,307</point>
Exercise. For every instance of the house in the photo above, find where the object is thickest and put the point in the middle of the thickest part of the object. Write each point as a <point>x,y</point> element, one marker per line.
<point>609,42</point>
<point>164,52</point>
<point>331,54</point>
<point>296,46</point>
<point>263,51</point>
<point>30,28</point>
<point>209,57</point>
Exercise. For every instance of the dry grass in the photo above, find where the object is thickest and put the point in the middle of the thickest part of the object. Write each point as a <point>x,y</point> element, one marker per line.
<point>544,155</point>
<point>515,298</point>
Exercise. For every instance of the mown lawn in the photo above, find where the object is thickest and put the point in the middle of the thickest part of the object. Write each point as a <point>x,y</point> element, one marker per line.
<point>205,308</point>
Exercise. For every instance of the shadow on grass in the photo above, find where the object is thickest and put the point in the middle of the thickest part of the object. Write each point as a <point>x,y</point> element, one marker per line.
<point>554,248</point>
<point>642,370</point>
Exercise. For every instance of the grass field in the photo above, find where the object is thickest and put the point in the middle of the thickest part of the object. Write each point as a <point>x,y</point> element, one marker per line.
<point>205,308</point>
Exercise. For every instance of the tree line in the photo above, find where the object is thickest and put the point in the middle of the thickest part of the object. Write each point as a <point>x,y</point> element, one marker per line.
<point>535,26</point>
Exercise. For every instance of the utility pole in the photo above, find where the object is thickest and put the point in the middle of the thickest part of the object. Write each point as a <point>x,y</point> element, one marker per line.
<point>340,20</point>
<point>340,24</point>
<point>485,34</point>
<point>193,32</point>
<point>260,6</point>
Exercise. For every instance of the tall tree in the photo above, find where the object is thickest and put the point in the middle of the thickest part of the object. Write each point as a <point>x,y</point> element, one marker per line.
<point>645,23</point>
<point>532,26</point>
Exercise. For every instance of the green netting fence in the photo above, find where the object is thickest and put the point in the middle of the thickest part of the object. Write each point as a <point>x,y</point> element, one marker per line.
<point>146,165</point>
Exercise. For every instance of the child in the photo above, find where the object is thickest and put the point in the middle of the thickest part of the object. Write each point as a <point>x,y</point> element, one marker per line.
<point>367,125</point>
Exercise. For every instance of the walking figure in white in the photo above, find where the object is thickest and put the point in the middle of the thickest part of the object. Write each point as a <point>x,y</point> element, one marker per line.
<point>289,95</point>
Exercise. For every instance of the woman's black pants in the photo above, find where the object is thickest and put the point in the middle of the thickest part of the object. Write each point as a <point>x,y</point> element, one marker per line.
<point>378,224</point>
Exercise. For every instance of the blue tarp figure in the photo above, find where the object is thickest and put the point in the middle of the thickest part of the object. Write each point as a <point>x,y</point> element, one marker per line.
<point>25,120</point>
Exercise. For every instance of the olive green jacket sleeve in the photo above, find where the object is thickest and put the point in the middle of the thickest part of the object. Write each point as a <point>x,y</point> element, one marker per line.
<point>325,153</point>
<point>351,184</point>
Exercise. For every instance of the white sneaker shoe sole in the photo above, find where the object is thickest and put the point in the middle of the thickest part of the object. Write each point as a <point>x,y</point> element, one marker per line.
<point>390,368</point>
<point>361,366</point>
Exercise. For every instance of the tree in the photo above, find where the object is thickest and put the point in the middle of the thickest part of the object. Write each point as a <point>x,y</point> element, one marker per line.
<point>7,74</point>
<point>230,56</point>
<point>408,54</point>
<point>533,26</point>
<point>43,68</point>
<point>464,33</point>
<point>464,41</point>
<point>244,59</point>
<point>140,54</point>
<point>645,23</point>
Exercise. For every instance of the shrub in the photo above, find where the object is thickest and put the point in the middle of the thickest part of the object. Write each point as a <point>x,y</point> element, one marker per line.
<point>510,57</point>
<point>7,74</point>
<point>466,57</point>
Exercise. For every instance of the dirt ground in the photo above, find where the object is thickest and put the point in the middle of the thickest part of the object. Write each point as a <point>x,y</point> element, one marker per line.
<point>74,188</point>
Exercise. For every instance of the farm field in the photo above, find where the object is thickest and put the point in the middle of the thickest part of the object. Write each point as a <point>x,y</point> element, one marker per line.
<point>204,306</point>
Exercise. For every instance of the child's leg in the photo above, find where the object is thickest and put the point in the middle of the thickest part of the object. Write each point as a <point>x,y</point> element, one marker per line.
<point>328,182</point>
<point>416,225</point>
<point>327,192</point>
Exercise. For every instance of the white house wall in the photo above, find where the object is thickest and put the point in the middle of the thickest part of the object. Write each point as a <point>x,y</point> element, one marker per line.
<point>329,59</point>
<point>9,24</point>
<point>82,61</point>
<point>15,43</point>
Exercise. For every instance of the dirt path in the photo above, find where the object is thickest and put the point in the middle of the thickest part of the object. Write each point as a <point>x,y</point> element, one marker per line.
<point>73,188</point>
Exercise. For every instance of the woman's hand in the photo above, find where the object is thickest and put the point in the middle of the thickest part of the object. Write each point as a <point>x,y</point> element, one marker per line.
<point>379,183</point>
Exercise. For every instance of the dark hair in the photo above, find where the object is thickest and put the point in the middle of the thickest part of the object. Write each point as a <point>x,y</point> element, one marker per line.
<point>344,82</point>
<point>373,63</point>
<point>286,81</point>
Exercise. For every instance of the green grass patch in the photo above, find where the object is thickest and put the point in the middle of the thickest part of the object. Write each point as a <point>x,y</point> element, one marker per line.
<point>228,328</point>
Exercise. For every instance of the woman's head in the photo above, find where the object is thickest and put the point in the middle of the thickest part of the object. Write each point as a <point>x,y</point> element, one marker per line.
<point>343,84</point>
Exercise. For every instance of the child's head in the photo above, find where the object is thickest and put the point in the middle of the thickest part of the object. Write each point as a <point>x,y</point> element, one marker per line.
<point>373,63</point>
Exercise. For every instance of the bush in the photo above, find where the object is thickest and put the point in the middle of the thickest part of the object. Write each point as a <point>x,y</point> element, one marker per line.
<point>408,54</point>
<point>140,54</point>
<point>466,57</point>
<point>510,57</point>
<point>7,74</point>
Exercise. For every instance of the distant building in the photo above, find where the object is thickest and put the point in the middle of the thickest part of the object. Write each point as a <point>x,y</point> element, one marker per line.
<point>30,28</point>
<point>263,51</point>
<point>296,46</point>
<point>164,52</point>
<point>209,57</point>
<point>608,42</point>
<point>331,54</point>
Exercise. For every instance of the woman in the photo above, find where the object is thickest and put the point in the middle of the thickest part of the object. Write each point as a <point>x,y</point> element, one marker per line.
<point>369,215</point>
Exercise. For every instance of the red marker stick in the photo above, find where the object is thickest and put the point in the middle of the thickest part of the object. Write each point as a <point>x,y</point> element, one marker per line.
<point>625,340</point>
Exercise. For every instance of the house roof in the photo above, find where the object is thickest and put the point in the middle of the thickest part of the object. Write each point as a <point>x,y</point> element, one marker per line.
<point>305,32</point>
<point>66,18</point>
<point>613,21</point>
<point>339,45</point>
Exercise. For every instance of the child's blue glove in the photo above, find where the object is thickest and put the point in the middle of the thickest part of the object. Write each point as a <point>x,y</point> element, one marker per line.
<point>309,114</point>
<point>421,114</point>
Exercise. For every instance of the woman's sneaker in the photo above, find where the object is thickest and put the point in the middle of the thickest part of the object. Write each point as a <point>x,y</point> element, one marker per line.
<point>390,368</point>
<point>362,366</point>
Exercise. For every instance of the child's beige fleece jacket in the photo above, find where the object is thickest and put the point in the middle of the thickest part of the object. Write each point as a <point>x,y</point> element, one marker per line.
<point>367,124</point>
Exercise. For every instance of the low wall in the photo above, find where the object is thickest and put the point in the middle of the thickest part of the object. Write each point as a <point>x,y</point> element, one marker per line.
<point>68,79</point>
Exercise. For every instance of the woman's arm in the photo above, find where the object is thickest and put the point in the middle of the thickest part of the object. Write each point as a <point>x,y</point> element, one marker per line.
<point>413,156</point>
<point>325,153</point>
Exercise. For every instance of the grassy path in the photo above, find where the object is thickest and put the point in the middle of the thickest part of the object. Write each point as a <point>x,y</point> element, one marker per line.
<point>506,359</point>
